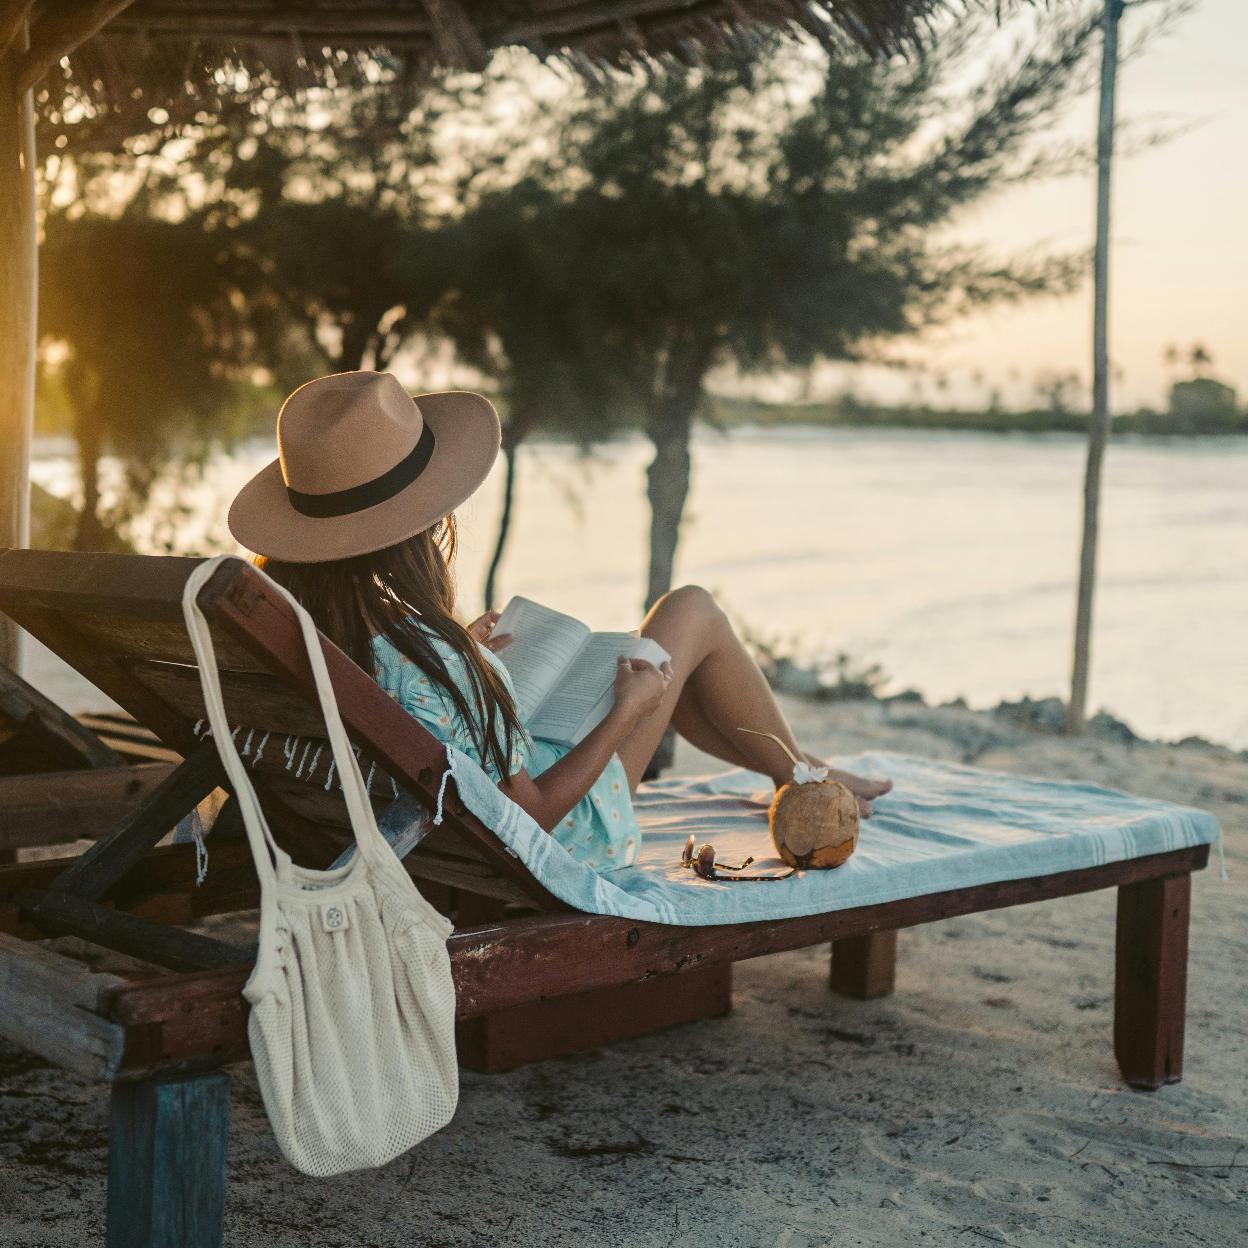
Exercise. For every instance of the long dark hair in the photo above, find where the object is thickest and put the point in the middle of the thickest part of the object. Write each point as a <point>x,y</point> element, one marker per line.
<point>399,593</point>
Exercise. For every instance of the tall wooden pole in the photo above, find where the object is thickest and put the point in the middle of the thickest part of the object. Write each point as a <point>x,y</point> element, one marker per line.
<point>18,295</point>
<point>1098,431</point>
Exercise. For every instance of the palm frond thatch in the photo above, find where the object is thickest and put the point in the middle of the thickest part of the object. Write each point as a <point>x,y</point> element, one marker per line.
<point>165,44</point>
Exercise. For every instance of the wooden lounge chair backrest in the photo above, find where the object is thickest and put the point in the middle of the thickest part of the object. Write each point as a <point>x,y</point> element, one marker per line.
<point>118,620</point>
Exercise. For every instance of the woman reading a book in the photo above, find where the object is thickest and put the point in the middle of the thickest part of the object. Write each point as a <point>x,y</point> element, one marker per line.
<point>356,519</point>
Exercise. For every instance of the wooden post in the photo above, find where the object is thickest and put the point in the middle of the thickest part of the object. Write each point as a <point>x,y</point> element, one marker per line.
<point>1150,980</point>
<point>864,966</point>
<point>166,1162</point>
<point>1098,429</point>
<point>18,289</point>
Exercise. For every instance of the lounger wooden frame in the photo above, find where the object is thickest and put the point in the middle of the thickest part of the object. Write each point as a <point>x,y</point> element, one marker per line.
<point>60,779</point>
<point>159,1036</point>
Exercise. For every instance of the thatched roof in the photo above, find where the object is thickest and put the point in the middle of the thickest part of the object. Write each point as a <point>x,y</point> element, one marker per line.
<point>161,44</point>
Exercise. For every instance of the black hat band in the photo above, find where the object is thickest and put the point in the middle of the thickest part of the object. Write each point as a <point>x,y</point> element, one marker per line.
<point>379,490</point>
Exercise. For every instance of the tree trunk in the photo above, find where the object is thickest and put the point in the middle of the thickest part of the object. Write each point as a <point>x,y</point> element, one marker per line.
<point>511,448</point>
<point>667,486</point>
<point>1098,431</point>
<point>88,534</point>
<point>358,338</point>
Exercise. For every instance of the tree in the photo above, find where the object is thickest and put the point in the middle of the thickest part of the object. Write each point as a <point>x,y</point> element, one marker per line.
<point>254,238</point>
<point>510,313</point>
<point>142,338</point>
<point>766,213</point>
<point>326,197</point>
<point>139,327</point>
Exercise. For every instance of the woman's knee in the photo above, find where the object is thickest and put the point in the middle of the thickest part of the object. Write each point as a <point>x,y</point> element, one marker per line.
<point>690,600</point>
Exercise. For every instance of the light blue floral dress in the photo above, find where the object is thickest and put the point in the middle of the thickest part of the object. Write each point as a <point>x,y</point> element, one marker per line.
<point>600,830</point>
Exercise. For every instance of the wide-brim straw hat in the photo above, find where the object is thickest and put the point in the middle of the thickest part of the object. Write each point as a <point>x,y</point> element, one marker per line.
<point>363,465</point>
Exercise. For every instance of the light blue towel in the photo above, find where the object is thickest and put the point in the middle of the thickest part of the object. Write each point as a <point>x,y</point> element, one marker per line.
<point>943,827</point>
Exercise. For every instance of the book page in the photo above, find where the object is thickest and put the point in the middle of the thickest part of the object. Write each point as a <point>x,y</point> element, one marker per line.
<point>544,643</point>
<point>649,649</point>
<point>584,694</point>
<point>579,689</point>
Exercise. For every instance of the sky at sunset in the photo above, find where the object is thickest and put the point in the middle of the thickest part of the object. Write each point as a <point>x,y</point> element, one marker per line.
<point>1180,253</point>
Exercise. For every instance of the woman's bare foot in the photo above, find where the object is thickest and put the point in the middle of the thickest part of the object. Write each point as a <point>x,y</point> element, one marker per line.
<point>864,789</point>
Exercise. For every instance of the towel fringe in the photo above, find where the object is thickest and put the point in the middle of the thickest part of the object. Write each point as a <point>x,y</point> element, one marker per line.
<point>446,775</point>
<point>201,848</point>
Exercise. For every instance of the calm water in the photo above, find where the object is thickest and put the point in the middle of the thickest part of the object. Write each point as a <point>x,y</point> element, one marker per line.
<point>947,558</point>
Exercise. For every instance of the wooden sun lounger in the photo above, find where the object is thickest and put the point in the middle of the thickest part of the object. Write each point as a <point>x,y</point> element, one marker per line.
<point>158,1035</point>
<point>65,779</point>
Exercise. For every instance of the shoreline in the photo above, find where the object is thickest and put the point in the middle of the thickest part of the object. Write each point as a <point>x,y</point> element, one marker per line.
<point>797,687</point>
<point>1041,716</point>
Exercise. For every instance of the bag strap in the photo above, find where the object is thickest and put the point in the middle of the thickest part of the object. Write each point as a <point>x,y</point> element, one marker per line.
<point>264,848</point>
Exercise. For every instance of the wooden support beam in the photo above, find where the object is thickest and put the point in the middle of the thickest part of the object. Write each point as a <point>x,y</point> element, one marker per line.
<point>179,950</point>
<point>47,1005</point>
<point>1150,980</point>
<point>95,872</point>
<point>18,299</point>
<point>56,807</point>
<point>167,1143</point>
<point>162,882</point>
<point>864,966</point>
<point>62,28</point>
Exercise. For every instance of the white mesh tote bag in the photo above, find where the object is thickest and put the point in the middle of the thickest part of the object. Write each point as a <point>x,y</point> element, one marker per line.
<point>352,1025</point>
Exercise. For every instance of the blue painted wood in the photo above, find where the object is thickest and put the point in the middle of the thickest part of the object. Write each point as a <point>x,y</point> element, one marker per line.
<point>166,1162</point>
<point>404,825</point>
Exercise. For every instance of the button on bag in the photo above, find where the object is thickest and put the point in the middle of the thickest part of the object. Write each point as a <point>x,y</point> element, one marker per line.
<point>352,1026</point>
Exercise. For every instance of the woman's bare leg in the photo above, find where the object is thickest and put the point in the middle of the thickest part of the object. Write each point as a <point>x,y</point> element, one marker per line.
<point>716,687</point>
<point>691,722</point>
<point>706,654</point>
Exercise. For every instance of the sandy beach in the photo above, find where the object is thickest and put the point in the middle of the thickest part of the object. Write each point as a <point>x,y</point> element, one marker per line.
<point>979,1104</point>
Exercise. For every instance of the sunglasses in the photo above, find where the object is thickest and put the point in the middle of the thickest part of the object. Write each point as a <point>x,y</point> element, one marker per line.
<point>702,863</point>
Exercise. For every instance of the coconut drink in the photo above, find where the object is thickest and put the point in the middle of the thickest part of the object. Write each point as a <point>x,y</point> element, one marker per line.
<point>813,820</point>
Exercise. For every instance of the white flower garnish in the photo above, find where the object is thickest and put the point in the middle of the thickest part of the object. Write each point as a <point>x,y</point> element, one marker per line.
<point>804,773</point>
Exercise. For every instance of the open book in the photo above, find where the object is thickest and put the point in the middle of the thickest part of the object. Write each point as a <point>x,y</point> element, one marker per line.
<point>563,673</point>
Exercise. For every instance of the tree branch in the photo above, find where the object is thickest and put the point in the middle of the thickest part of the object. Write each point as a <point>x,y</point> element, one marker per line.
<point>60,32</point>
<point>12,14</point>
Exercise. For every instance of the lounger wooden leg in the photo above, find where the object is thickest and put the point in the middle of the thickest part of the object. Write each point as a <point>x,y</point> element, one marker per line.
<point>166,1162</point>
<point>1150,983</point>
<point>864,966</point>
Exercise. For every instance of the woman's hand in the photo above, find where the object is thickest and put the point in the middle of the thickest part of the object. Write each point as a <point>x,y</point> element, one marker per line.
<point>640,686</point>
<point>481,630</point>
